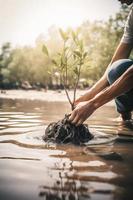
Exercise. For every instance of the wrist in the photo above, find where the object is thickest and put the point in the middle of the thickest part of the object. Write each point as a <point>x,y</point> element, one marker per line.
<point>102,98</point>
<point>95,103</point>
<point>92,104</point>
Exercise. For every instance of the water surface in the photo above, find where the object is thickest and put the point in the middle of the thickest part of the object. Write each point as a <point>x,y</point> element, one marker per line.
<point>32,169</point>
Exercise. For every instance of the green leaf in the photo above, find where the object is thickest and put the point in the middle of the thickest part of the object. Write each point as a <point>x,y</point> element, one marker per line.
<point>77,53</point>
<point>66,48</point>
<point>73,35</point>
<point>49,72</point>
<point>74,56</point>
<point>63,35</point>
<point>76,71</point>
<point>54,62</point>
<point>45,50</point>
<point>81,44</point>
<point>85,55</point>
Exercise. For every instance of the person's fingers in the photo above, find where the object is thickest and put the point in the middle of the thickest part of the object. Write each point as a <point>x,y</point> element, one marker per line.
<point>72,116</point>
<point>75,120</point>
<point>69,114</point>
<point>79,122</point>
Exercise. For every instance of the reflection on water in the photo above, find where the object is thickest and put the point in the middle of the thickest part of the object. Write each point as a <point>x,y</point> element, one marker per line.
<point>31,169</point>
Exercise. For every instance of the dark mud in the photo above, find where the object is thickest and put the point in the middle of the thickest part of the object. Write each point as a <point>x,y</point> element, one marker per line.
<point>64,132</point>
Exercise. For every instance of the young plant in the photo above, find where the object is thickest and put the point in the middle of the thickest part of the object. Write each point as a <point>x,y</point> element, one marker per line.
<point>70,59</point>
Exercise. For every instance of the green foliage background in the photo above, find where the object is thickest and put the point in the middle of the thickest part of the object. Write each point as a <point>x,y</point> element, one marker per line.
<point>31,64</point>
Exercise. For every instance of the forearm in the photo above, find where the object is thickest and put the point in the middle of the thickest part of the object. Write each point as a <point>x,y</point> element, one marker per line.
<point>99,86</point>
<point>123,51</point>
<point>95,89</point>
<point>120,86</point>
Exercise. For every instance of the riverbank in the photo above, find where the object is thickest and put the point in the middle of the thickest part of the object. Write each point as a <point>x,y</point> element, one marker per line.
<point>49,95</point>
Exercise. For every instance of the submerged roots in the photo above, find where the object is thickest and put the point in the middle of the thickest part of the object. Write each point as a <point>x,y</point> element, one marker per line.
<point>63,132</point>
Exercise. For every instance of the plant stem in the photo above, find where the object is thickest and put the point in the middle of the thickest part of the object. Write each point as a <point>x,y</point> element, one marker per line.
<point>76,84</point>
<point>65,77</point>
<point>67,94</point>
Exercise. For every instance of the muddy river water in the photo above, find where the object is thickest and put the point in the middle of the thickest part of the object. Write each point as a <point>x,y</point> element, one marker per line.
<point>33,170</point>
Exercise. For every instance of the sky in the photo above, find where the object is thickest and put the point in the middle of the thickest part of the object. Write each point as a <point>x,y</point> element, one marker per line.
<point>22,21</point>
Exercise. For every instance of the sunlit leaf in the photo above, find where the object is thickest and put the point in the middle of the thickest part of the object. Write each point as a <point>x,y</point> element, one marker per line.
<point>73,35</point>
<point>74,56</point>
<point>49,72</point>
<point>76,71</point>
<point>85,55</point>
<point>66,48</point>
<point>77,53</point>
<point>63,34</point>
<point>80,43</point>
<point>54,62</point>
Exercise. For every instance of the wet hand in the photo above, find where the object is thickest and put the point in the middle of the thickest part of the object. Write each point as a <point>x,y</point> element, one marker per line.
<point>82,111</point>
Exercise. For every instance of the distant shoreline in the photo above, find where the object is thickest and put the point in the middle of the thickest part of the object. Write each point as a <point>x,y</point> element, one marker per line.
<point>49,95</point>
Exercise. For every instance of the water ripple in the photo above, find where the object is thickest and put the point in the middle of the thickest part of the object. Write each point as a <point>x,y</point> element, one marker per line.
<point>96,171</point>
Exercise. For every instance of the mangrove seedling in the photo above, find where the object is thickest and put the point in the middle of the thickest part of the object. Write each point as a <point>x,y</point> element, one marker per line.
<point>68,62</point>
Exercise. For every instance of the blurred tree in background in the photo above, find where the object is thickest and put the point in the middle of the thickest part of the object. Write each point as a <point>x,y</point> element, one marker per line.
<point>5,59</point>
<point>29,64</point>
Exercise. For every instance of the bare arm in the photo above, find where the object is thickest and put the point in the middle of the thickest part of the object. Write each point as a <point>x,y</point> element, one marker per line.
<point>123,84</point>
<point>123,51</point>
<point>86,108</point>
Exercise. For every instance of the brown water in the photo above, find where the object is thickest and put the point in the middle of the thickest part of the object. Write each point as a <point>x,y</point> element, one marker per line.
<point>31,169</point>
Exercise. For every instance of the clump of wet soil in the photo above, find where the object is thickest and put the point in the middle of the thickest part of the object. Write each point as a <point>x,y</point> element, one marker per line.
<point>64,132</point>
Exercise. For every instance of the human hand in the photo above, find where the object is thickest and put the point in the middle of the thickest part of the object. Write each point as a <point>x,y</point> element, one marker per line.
<point>82,111</point>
